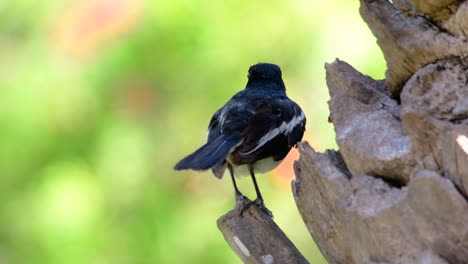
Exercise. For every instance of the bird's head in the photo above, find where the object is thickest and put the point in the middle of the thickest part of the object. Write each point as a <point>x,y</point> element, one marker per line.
<point>264,73</point>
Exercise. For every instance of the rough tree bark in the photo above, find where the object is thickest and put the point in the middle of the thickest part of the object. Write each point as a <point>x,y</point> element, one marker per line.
<point>397,189</point>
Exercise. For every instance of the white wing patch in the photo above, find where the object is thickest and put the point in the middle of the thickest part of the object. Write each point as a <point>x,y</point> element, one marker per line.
<point>284,128</point>
<point>227,109</point>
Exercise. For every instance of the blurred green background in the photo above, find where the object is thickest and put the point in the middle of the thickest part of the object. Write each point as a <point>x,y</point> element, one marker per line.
<point>100,98</point>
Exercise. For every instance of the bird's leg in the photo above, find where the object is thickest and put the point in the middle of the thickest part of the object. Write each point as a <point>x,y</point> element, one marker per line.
<point>237,193</point>
<point>259,200</point>
<point>239,196</point>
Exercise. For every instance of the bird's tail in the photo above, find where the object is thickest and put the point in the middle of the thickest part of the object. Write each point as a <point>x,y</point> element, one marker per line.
<point>209,154</point>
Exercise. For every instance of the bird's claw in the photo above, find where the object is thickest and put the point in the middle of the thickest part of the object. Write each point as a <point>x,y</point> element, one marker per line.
<point>246,206</point>
<point>265,210</point>
<point>257,202</point>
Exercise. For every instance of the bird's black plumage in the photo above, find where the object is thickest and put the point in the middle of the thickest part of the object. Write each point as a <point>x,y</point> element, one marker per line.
<point>253,131</point>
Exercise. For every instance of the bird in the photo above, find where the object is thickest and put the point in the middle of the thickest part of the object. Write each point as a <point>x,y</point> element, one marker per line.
<point>252,133</point>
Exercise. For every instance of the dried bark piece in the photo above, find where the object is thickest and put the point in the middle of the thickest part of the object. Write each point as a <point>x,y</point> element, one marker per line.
<point>439,89</point>
<point>343,79</point>
<point>405,6</point>
<point>424,131</point>
<point>439,10</point>
<point>435,112</point>
<point>457,24</point>
<point>455,159</point>
<point>424,257</point>
<point>407,42</point>
<point>320,187</point>
<point>440,216</point>
<point>367,125</point>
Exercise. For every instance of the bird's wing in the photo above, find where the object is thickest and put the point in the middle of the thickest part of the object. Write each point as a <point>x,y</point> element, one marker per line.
<point>214,129</point>
<point>272,118</point>
<point>230,120</point>
<point>219,145</point>
<point>228,123</point>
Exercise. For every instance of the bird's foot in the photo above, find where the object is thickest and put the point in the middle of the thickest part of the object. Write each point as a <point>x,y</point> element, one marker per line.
<point>245,206</point>
<point>240,199</point>
<point>258,203</point>
<point>265,209</point>
<point>242,202</point>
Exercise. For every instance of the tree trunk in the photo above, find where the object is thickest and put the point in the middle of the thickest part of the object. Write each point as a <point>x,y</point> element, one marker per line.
<point>397,189</point>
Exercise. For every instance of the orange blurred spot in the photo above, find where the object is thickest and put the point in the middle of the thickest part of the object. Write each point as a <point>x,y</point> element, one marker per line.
<point>136,96</point>
<point>284,173</point>
<point>87,24</point>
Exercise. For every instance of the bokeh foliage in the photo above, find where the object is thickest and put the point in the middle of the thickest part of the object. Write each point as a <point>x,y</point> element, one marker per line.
<point>99,99</point>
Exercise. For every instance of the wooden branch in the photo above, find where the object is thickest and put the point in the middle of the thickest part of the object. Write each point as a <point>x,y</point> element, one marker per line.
<point>256,238</point>
<point>397,190</point>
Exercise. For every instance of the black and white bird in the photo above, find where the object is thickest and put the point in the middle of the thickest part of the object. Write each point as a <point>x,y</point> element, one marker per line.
<point>252,133</point>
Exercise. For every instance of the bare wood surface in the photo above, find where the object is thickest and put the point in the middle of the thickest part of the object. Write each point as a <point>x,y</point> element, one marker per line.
<point>257,239</point>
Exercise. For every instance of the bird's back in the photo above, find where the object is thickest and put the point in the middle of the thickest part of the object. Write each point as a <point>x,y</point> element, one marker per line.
<point>264,121</point>
<point>256,123</point>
